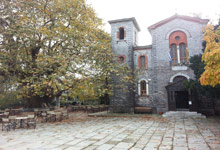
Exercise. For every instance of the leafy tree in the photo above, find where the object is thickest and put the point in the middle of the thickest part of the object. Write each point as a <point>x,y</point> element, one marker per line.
<point>8,94</point>
<point>54,46</point>
<point>211,56</point>
<point>198,66</point>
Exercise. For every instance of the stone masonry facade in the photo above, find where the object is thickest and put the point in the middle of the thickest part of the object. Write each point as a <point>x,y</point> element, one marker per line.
<point>159,72</point>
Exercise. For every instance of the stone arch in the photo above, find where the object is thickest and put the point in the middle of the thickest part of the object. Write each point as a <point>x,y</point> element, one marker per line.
<point>139,81</point>
<point>167,35</point>
<point>179,74</point>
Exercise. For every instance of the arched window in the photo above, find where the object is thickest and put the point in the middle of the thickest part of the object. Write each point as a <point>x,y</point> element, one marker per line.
<point>178,47</point>
<point>173,54</point>
<point>143,88</point>
<point>183,56</point>
<point>121,33</point>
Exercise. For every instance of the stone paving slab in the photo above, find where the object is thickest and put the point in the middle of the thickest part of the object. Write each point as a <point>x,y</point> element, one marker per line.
<point>117,133</point>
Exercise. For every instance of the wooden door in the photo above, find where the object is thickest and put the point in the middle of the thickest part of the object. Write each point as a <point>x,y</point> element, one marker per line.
<point>171,101</point>
<point>182,99</point>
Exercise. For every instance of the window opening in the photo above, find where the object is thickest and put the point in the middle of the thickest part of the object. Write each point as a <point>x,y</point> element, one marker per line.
<point>174,54</point>
<point>143,87</point>
<point>177,38</point>
<point>121,33</point>
<point>178,48</point>
<point>121,59</point>
<point>183,58</point>
<point>142,61</point>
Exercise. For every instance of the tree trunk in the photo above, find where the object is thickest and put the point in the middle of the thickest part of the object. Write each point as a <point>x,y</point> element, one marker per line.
<point>57,99</point>
<point>37,101</point>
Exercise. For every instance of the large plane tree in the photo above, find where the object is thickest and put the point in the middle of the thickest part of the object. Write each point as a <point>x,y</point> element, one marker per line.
<point>50,46</point>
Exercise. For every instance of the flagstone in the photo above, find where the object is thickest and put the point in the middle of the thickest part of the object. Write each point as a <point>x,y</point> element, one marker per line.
<point>117,133</point>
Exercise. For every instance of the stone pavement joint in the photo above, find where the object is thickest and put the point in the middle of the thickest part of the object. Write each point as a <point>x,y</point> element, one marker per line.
<point>117,133</point>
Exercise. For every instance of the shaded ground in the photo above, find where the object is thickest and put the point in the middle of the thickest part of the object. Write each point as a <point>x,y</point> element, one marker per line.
<point>135,133</point>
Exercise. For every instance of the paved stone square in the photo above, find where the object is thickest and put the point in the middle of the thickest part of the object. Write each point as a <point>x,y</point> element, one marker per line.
<point>117,133</point>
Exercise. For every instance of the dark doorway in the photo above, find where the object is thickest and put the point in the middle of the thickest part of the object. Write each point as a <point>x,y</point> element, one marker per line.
<point>182,99</point>
<point>178,96</point>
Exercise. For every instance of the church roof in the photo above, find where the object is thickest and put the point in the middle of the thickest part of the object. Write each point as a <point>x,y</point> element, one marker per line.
<point>176,16</point>
<point>127,19</point>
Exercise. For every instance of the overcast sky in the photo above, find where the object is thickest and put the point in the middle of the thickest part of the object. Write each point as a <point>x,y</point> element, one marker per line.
<point>148,12</point>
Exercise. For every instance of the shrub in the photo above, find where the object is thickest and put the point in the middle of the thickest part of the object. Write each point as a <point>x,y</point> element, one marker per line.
<point>9,100</point>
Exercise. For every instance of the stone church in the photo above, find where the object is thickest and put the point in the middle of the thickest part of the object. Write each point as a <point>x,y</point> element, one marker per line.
<point>159,69</point>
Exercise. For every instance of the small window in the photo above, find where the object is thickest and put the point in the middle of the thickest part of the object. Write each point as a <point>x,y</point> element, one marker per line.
<point>142,61</point>
<point>121,33</point>
<point>143,87</point>
<point>177,38</point>
<point>121,59</point>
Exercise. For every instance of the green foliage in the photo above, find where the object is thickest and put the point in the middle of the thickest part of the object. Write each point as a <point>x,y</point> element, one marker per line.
<point>197,65</point>
<point>9,99</point>
<point>55,46</point>
<point>8,95</point>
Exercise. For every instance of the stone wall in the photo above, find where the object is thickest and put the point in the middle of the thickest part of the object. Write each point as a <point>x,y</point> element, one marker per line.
<point>162,70</point>
<point>123,101</point>
<point>142,74</point>
<point>159,71</point>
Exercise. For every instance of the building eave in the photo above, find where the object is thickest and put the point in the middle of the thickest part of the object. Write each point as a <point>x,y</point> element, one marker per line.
<point>126,19</point>
<point>146,47</point>
<point>176,16</point>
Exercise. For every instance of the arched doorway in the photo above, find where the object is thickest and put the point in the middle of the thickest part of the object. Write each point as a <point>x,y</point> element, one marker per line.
<point>178,96</point>
<point>181,95</point>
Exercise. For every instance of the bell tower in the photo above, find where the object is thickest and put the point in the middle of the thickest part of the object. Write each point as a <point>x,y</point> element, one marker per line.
<point>124,37</point>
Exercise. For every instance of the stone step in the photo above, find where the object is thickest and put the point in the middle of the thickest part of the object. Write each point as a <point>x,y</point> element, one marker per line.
<point>183,114</point>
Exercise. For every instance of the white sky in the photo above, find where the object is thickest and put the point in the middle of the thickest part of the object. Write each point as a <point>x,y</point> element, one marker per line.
<point>148,12</point>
